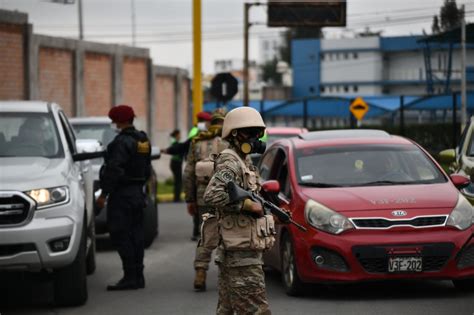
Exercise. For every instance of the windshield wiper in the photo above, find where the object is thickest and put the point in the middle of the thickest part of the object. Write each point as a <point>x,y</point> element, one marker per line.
<point>321,185</point>
<point>385,182</point>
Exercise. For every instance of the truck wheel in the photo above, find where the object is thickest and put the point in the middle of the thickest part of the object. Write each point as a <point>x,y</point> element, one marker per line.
<point>150,222</point>
<point>289,274</point>
<point>70,282</point>
<point>90,260</point>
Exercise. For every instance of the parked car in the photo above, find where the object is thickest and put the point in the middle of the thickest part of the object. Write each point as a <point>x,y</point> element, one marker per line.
<point>461,159</point>
<point>376,206</point>
<point>46,197</point>
<point>100,128</point>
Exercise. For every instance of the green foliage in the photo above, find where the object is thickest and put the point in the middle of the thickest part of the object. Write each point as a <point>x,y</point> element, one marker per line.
<point>166,187</point>
<point>269,72</point>
<point>450,15</point>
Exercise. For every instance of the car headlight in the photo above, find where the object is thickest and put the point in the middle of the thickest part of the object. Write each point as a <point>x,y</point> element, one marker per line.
<point>325,219</point>
<point>48,197</point>
<point>462,217</point>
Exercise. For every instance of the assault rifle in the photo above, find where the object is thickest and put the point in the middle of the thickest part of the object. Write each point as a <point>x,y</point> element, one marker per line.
<point>237,193</point>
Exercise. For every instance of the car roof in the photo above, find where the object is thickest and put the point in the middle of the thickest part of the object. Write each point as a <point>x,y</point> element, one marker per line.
<point>285,130</point>
<point>99,120</point>
<point>25,106</point>
<point>345,137</point>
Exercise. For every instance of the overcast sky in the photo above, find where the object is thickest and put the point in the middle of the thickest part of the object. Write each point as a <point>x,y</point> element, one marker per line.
<point>164,26</point>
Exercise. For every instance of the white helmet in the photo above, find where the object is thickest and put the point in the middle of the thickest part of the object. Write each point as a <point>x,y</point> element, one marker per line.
<point>241,117</point>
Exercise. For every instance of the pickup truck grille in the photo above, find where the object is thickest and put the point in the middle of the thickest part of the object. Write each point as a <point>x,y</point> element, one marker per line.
<point>14,209</point>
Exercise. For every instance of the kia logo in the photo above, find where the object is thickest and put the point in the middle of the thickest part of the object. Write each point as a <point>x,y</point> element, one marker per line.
<point>399,213</point>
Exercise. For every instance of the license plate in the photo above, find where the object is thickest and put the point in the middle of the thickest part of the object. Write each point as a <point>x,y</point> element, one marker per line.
<point>405,264</point>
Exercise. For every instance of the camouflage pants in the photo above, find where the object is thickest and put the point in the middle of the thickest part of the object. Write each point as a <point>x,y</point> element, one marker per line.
<point>208,242</point>
<point>242,291</point>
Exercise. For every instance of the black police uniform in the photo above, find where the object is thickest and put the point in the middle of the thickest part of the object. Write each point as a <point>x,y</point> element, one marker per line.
<point>126,168</point>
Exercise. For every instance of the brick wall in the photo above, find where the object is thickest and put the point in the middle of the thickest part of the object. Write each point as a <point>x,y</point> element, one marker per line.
<point>135,88</point>
<point>11,62</point>
<point>97,84</point>
<point>56,77</point>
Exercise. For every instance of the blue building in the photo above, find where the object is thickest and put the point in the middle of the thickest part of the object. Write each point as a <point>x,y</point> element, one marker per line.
<point>376,66</point>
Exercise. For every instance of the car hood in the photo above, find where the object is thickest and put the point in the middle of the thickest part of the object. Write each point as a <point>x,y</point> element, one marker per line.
<point>26,173</point>
<point>443,195</point>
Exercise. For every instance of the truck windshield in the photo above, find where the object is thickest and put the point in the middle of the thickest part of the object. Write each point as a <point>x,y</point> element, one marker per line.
<point>29,134</point>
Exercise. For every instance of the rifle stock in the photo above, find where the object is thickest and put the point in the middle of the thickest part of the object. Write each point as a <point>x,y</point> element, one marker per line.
<point>237,193</point>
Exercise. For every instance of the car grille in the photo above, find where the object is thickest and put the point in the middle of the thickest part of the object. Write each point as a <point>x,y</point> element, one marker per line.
<point>374,259</point>
<point>379,223</point>
<point>466,258</point>
<point>14,209</point>
<point>10,250</point>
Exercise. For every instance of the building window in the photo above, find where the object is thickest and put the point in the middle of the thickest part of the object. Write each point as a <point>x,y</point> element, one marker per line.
<point>330,89</point>
<point>346,88</point>
<point>337,88</point>
<point>330,56</point>
<point>355,88</point>
<point>321,89</point>
<point>346,55</point>
<point>355,55</point>
<point>322,57</point>
<point>337,56</point>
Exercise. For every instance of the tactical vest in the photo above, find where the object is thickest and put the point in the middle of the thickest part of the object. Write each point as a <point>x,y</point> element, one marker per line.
<point>241,231</point>
<point>204,168</point>
<point>139,168</point>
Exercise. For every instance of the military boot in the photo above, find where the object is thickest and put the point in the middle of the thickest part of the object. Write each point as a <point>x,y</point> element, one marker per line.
<point>140,278</point>
<point>128,282</point>
<point>200,280</point>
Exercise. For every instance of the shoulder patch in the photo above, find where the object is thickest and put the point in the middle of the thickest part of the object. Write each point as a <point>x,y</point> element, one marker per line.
<point>225,176</point>
<point>143,147</point>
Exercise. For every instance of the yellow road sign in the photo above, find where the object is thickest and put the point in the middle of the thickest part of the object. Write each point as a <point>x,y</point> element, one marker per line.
<point>359,108</point>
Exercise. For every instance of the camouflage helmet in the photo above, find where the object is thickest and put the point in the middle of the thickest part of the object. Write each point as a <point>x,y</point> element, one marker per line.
<point>218,116</point>
<point>241,117</point>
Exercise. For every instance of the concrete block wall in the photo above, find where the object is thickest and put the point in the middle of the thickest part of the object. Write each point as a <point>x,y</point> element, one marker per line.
<point>88,78</point>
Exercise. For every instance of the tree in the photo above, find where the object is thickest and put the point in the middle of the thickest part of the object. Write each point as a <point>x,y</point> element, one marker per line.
<point>450,16</point>
<point>270,73</point>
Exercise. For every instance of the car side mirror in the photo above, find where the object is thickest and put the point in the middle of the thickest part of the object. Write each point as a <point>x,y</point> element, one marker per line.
<point>447,156</point>
<point>460,181</point>
<point>155,153</point>
<point>271,186</point>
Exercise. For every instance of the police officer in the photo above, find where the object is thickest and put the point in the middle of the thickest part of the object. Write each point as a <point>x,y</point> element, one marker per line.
<point>241,279</point>
<point>127,166</point>
<point>197,173</point>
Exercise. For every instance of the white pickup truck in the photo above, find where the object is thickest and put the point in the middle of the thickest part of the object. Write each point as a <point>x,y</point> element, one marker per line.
<point>46,197</point>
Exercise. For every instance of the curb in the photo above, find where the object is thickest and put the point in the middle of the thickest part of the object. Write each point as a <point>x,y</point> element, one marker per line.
<point>167,197</point>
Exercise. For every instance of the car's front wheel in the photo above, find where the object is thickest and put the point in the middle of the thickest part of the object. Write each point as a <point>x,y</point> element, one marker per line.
<point>293,285</point>
<point>150,223</point>
<point>464,285</point>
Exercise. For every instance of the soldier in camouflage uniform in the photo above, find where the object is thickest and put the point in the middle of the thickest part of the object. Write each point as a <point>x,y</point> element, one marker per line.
<point>241,278</point>
<point>197,173</point>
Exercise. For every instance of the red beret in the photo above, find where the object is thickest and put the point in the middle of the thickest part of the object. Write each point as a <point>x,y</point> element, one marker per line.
<point>204,116</point>
<point>121,113</point>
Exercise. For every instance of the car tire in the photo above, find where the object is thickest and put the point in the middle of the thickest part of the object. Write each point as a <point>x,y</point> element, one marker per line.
<point>70,282</point>
<point>150,224</point>
<point>466,285</point>
<point>90,260</point>
<point>289,273</point>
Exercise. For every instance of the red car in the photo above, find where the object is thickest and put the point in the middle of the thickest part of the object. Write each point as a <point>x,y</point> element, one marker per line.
<point>275,133</point>
<point>376,207</point>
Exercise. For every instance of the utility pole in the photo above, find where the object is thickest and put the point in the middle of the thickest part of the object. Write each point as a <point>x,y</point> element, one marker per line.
<point>81,29</point>
<point>132,3</point>
<point>463,72</point>
<point>247,25</point>
<point>197,88</point>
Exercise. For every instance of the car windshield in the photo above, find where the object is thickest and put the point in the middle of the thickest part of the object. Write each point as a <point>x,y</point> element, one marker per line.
<point>100,132</point>
<point>365,165</point>
<point>29,134</point>
<point>104,133</point>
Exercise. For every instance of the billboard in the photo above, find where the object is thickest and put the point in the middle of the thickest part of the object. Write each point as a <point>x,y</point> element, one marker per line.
<point>317,13</point>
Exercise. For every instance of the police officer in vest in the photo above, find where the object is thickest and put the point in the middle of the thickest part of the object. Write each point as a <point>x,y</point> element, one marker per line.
<point>197,173</point>
<point>127,166</point>
<point>242,241</point>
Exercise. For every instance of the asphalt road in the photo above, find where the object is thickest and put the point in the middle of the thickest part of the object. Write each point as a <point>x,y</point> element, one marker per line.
<point>169,290</point>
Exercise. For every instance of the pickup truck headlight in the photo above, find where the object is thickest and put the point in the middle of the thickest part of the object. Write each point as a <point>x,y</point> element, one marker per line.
<point>48,197</point>
<point>325,219</point>
<point>462,217</point>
